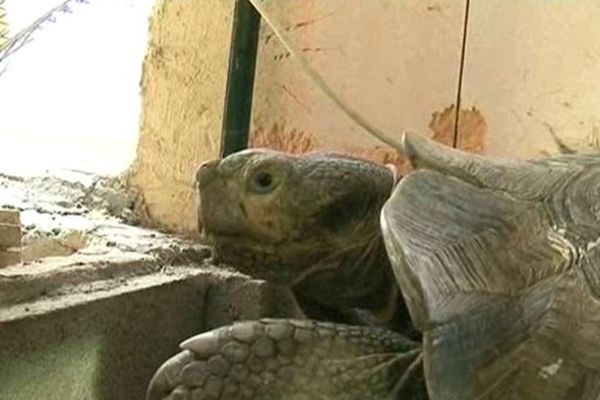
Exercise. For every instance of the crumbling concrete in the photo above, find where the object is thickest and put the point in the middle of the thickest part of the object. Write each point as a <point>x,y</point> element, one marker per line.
<point>65,211</point>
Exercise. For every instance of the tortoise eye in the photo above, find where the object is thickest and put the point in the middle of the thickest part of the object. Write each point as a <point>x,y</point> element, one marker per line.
<point>262,182</point>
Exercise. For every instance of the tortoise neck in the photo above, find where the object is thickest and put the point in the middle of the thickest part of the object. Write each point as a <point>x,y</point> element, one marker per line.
<point>361,278</point>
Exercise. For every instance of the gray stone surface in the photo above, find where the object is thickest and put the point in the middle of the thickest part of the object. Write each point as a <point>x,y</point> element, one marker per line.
<point>105,341</point>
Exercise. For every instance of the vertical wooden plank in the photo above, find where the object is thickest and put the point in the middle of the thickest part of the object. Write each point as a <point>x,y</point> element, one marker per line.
<point>396,61</point>
<point>532,70</point>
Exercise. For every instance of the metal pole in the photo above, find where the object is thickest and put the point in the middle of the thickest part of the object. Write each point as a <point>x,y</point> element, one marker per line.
<point>240,78</point>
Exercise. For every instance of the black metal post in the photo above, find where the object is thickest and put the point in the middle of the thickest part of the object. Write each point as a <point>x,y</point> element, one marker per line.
<point>240,78</point>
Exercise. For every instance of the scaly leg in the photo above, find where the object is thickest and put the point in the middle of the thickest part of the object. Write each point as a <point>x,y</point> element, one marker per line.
<point>285,359</point>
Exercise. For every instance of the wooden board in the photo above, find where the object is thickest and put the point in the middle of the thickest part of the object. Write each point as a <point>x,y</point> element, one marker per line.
<point>396,62</point>
<point>532,69</point>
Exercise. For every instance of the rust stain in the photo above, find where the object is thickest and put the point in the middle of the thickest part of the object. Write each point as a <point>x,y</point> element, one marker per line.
<point>295,141</point>
<point>472,133</point>
<point>472,128</point>
<point>279,138</point>
<point>472,136</point>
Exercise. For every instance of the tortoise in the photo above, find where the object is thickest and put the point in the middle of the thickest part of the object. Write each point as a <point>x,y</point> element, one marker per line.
<point>469,278</point>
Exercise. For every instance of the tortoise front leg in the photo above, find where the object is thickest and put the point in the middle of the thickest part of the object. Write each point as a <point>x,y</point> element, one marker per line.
<point>287,359</point>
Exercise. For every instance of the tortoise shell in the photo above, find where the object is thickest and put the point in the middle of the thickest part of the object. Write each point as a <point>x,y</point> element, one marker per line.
<point>499,265</point>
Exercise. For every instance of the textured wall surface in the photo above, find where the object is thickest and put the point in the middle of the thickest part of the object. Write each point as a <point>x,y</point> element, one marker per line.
<point>532,68</point>
<point>183,88</point>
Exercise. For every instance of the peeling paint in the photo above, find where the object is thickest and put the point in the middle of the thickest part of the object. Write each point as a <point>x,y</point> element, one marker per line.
<point>292,140</point>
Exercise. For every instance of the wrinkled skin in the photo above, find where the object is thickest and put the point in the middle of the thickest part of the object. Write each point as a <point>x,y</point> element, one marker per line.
<point>308,222</point>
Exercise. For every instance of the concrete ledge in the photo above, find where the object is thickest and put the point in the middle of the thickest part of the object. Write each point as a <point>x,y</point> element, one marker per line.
<point>103,340</point>
<point>101,345</point>
<point>21,283</point>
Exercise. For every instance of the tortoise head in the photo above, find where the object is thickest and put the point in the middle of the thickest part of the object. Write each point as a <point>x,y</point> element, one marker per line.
<point>282,218</point>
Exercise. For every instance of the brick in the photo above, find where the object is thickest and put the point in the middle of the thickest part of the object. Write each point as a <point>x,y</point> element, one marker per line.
<point>10,235</point>
<point>10,257</point>
<point>11,217</point>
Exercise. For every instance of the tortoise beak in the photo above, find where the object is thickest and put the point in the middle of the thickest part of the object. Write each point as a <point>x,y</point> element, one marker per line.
<point>221,211</point>
<point>216,199</point>
<point>206,172</point>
